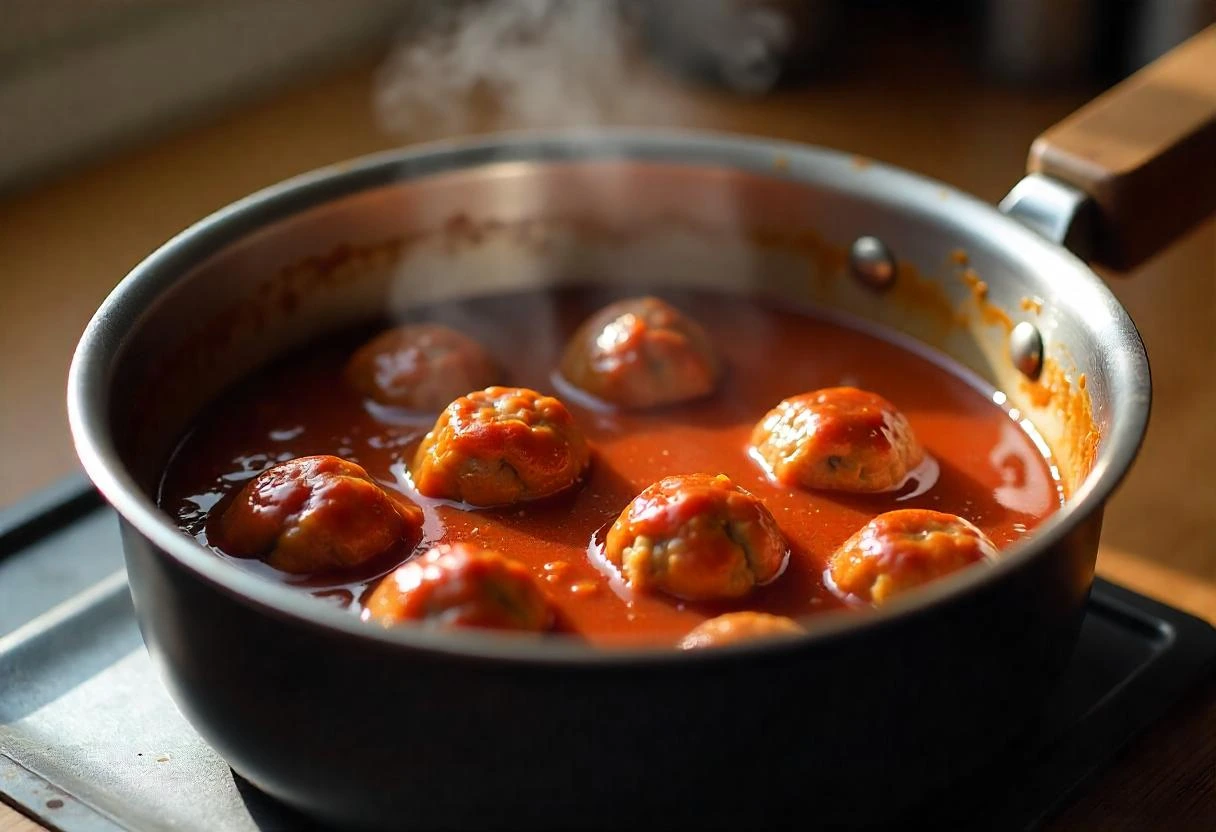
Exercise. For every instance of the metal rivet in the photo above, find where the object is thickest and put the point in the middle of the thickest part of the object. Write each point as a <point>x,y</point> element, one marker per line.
<point>872,262</point>
<point>1026,349</point>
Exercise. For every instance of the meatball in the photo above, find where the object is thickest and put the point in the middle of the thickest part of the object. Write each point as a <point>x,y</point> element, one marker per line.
<point>734,627</point>
<point>313,514</point>
<point>501,445</point>
<point>640,353</point>
<point>900,550</point>
<point>840,438</point>
<point>420,367</point>
<point>697,537</point>
<point>459,585</point>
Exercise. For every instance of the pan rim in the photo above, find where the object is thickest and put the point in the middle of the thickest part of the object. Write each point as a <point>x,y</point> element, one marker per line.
<point>101,343</point>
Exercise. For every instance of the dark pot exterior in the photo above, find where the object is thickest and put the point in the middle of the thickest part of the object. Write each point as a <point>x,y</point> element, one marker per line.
<point>378,735</point>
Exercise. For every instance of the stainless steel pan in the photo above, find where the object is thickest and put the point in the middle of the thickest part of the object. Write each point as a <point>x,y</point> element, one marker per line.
<point>855,721</point>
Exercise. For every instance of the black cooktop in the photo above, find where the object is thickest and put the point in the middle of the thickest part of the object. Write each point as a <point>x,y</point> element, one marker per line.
<point>89,740</point>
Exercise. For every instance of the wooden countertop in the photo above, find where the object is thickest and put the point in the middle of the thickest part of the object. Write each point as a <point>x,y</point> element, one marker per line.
<point>66,243</point>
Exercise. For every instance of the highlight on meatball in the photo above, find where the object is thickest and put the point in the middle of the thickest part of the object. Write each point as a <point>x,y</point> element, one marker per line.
<point>420,367</point>
<point>837,439</point>
<point>697,537</point>
<point>315,514</point>
<point>501,445</point>
<point>460,585</point>
<point>641,353</point>
<point>901,550</point>
<point>735,627</point>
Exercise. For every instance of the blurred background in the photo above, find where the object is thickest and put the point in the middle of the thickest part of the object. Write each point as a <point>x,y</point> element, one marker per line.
<point>123,121</point>
<point>79,80</point>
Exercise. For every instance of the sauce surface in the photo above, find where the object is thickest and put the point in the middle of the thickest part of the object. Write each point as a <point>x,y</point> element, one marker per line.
<point>982,465</point>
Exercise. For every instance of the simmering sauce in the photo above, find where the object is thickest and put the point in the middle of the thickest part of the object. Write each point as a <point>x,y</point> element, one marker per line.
<point>980,463</point>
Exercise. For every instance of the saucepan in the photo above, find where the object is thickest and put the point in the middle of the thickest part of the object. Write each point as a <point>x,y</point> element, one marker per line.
<point>856,720</point>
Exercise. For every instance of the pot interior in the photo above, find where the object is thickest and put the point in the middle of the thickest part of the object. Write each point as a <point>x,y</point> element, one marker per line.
<point>370,240</point>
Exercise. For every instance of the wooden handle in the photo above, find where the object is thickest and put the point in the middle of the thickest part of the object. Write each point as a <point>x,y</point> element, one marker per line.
<point>1145,152</point>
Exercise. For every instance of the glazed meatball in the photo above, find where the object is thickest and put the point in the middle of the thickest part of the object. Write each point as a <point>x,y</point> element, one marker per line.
<point>900,550</point>
<point>641,353</point>
<point>697,537</point>
<point>460,585</point>
<point>501,445</point>
<point>313,514</point>
<point>420,367</point>
<point>734,627</point>
<point>839,438</point>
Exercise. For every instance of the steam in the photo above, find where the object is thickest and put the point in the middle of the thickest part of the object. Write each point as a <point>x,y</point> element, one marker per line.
<point>486,65</point>
<point>507,64</point>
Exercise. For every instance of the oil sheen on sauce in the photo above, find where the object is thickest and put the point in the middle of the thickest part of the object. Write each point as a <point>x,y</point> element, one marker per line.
<point>985,467</point>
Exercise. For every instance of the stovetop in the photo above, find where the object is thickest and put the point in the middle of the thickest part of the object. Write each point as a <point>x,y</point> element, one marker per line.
<point>89,740</point>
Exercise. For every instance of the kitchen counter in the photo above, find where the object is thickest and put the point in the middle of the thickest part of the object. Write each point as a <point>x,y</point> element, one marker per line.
<point>66,243</point>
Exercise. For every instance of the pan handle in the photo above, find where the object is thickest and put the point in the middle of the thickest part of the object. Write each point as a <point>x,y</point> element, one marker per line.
<point>1133,170</point>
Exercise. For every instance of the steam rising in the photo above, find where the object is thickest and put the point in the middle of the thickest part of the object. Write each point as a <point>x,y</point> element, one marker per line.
<point>518,63</point>
<point>471,67</point>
